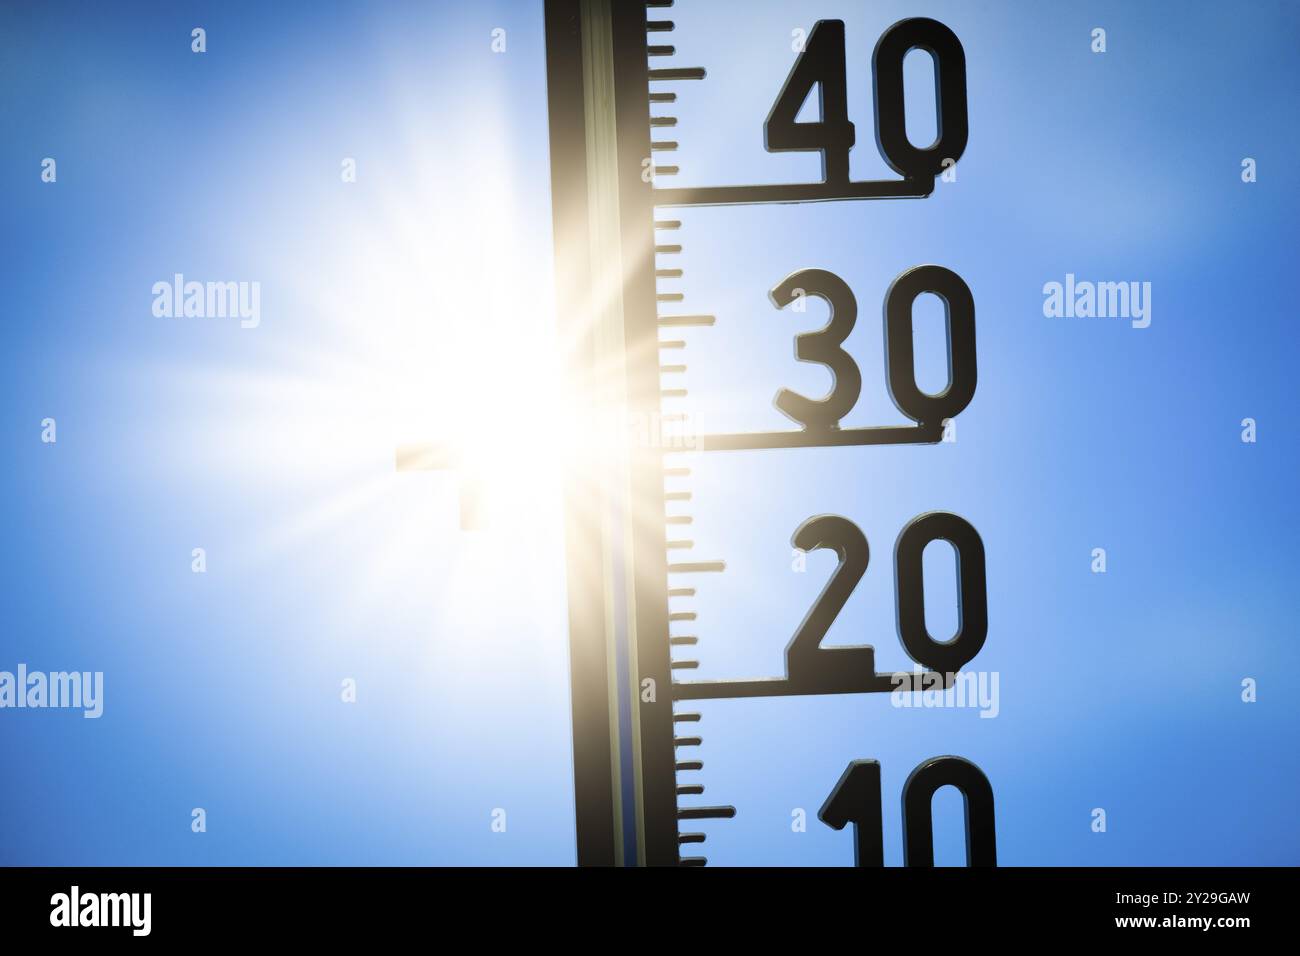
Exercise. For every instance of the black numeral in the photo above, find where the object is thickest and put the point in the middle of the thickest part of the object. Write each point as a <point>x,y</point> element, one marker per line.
<point>809,665</point>
<point>949,95</point>
<point>821,64</point>
<point>856,799</point>
<point>823,346</point>
<point>977,794</point>
<point>900,359</point>
<point>972,593</point>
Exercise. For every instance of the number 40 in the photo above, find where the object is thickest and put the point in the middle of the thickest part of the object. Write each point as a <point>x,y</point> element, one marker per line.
<point>821,65</point>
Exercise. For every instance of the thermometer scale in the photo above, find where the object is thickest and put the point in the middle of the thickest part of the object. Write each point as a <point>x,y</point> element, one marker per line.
<point>612,84</point>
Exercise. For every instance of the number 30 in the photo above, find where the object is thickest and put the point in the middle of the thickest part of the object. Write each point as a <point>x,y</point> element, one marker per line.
<point>825,346</point>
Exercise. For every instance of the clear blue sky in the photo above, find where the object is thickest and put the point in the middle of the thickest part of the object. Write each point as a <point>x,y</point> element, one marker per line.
<point>272,447</point>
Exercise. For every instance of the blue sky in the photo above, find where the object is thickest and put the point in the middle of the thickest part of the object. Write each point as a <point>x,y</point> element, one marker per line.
<point>271,448</point>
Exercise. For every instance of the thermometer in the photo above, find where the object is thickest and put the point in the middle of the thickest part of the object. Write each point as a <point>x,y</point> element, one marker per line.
<point>613,81</point>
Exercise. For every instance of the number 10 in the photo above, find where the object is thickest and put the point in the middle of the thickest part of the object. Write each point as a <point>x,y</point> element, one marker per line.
<point>856,800</point>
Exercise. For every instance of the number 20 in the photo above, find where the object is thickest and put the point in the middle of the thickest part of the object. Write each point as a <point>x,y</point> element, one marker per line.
<point>814,669</point>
